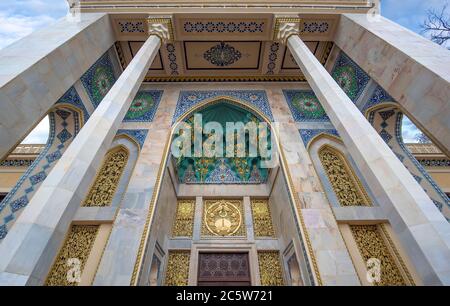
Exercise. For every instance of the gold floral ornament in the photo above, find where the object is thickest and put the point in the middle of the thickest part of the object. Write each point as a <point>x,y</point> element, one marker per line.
<point>262,219</point>
<point>372,245</point>
<point>223,218</point>
<point>71,259</point>
<point>105,185</point>
<point>184,219</point>
<point>346,185</point>
<point>270,268</point>
<point>177,268</point>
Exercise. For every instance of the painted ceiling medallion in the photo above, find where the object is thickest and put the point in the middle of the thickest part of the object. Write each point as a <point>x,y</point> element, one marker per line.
<point>223,218</point>
<point>222,55</point>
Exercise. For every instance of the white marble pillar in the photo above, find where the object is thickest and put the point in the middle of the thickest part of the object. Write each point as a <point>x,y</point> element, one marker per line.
<point>421,228</point>
<point>38,69</point>
<point>26,254</point>
<point>411,68</point>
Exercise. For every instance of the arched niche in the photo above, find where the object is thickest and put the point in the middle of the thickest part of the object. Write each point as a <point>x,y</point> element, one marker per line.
<point>387,120</point>
<point>65,121</point>
<point>114,173</point>
<point>338,173</point>
<point>163,204</point>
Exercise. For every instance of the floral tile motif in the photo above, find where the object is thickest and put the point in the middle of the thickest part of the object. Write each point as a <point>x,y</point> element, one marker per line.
<point>222,55</point>
<point>350,77</point>
<point>305,106</point>
<point>144,106</point>
<point>99,79</point>
<point>254,98</point>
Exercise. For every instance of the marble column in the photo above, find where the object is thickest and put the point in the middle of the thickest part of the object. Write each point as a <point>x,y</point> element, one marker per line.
<point>27,252</point>
<point>38,69</point>
<point>411,68</point>
<point>422,229</point>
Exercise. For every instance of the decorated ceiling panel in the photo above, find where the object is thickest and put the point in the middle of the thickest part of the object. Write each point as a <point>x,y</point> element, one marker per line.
<point>212,55</point>
<point>221,47</point>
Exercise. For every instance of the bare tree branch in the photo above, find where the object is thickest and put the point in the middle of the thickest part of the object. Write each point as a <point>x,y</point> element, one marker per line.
<point>437,25</point>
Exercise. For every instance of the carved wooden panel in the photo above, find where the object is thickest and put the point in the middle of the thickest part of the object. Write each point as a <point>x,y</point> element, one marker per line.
<point>223,269</point>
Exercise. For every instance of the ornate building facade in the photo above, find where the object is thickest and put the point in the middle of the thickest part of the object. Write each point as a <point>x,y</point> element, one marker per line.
<point>334,197</point>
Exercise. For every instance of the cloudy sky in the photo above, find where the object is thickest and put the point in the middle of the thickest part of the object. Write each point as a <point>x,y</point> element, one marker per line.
<point>19,18</point>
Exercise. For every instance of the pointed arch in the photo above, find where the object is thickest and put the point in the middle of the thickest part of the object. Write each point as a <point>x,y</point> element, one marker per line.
<point>311,267</point>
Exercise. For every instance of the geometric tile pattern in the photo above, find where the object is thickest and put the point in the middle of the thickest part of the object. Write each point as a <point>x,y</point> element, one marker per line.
<point>385,115</point>
<point>389,126</point>
<point>305,106</point>
<point>255,98</point>
<point>138,135</point>
<point>349,76</point>
<point>99,79</point>
<point>64,125</point>
<point>425,176</point>
<point>144,106</point>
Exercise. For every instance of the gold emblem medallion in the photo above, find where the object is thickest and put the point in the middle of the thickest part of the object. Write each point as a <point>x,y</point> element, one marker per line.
<point>223,218</point>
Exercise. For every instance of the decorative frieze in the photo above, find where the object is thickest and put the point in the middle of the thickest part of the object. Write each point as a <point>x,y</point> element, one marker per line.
<point>184,219</point>
<point>72,258</point>
<point>346,185</point>
<point>177,272</point>
<point>223,27</point>
<point>270,270</point>
<point>104,188</point>
<point>262,218</point>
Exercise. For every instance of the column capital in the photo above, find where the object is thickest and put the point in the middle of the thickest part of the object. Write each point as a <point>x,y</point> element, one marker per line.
<point>161,26</point>
<point>286,26</point>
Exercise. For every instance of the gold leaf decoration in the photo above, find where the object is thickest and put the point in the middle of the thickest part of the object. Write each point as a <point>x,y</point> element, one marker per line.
<point>372,245</point>
<point>77,245</point>
<point>223,218</point>
<point>184,219</point>
<point>270,268</point>
<point>346,185</point>
<point>262,219</point>
<point>105,185</point>
<point>178,268</point>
